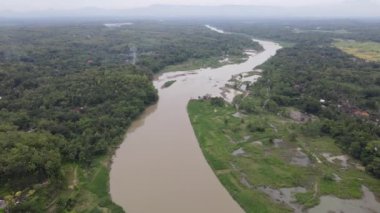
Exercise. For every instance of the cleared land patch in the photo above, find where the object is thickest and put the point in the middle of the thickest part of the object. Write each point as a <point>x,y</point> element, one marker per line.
<point>369,51</point>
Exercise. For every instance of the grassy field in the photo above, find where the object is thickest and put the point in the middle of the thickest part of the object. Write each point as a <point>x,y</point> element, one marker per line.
<point>88,188</point>
<point>264,163</point>
<point>365,50</point>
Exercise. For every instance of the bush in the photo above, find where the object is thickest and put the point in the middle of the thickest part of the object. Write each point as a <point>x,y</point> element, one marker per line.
<point>248,105</point>
<point>217,101</point>
<point>311,106</point>
<point>272,106</point>
<point>374,167</point>
<point>255,128</point>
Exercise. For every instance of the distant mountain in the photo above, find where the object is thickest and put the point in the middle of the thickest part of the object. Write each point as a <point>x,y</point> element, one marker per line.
<point>350,8</point>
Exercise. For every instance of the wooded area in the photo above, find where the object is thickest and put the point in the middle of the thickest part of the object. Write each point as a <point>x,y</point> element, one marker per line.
<point>314,76</point>
<point>68,93</point>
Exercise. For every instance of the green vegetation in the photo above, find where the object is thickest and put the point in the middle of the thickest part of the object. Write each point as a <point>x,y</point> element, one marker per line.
<point>365,50</point>
<point>317,78</point>
<point>265,163</point>
<point>87,188</point>
<point>313,100</point>
<point>304,75</point>
<point>306,31</point>
<point>67,94</point>
<point>69,91</point>
<point>307,199</point>
<point>168,84</point>
<point>212,62</point>
<point>216,132</point>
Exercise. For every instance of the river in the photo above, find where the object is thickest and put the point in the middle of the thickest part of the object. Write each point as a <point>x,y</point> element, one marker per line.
<point>160,167</point>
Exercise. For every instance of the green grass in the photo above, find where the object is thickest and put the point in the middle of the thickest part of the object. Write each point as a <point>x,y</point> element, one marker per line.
<point>219,134</point>
<point>93,190</point>
<point>365,50</point>
<point>210,129</point>
<point>308,199</point>
<point>251,201</point>
<point>86,189</point>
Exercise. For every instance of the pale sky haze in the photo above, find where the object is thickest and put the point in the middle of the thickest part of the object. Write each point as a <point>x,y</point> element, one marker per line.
<point>25,5</point>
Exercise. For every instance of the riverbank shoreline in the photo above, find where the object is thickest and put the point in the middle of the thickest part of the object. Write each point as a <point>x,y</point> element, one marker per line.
<point>161,155</point>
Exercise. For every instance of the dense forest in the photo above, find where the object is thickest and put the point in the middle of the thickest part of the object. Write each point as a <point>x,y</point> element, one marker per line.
<point>69,91</point>
<point>306,30</point>
<point>314,76</point>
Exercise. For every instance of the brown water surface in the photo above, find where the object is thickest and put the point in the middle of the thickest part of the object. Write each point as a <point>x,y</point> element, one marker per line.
<point>160,168</point>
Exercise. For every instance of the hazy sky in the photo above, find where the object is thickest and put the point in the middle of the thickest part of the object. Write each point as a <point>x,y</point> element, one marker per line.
<point>24,5</point>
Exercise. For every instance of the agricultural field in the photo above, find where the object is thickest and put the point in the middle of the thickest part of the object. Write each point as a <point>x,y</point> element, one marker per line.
<point>369,51</point>
<point>275,162</point>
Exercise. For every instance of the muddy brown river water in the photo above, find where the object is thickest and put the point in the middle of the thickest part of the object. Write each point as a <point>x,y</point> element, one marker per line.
<point>160,167</point>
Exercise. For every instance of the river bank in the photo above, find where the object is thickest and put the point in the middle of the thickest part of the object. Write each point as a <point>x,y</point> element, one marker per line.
<point>160,163</point>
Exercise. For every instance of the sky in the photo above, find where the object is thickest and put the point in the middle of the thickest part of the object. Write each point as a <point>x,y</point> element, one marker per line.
<point>25,5</point>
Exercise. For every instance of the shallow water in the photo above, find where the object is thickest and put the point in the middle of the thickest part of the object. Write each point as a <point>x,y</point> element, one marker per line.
<point>285,195</point>
<point>368,204</point>
<point>300,158</point>
<point>160,167</point>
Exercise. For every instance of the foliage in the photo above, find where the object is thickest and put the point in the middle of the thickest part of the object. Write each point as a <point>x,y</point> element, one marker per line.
<point>34,156</point>
<point>217,101</point>
<point>68,91</point>
<point>321,80</point>
<point>168,84</point>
